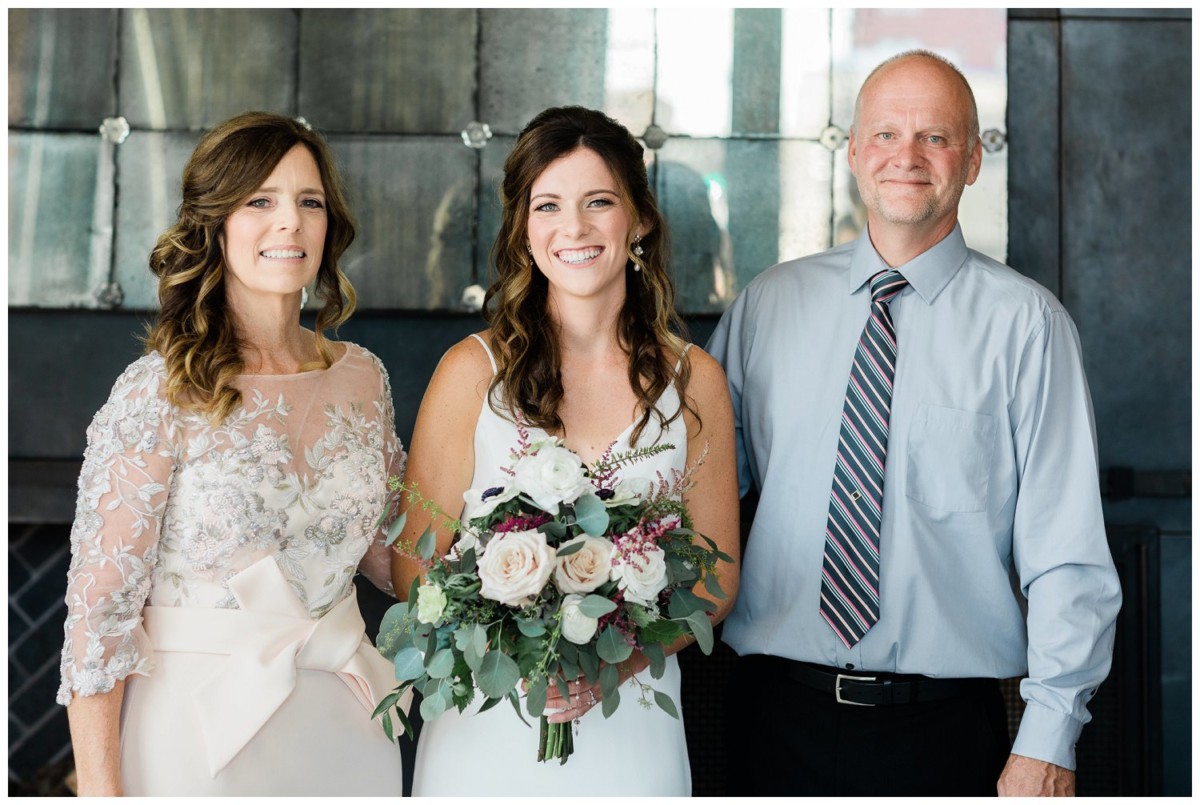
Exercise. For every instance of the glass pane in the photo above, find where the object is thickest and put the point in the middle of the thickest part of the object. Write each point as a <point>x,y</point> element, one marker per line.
<point>695,65</point>
<point>422,62</point>
<point>59,218</point>
<point>60,67</point>
<point>629,74</point>
<point>491,174</point>
<point>804,74</point>
<point>863,38</point>
<point>193,68</point>
<point>413,200</point>
<point>738,207</point>
<point>150,167</point>
<point>590,57</point>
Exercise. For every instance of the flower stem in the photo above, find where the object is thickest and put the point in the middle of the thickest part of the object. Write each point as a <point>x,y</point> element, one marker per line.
<point>555,741</point>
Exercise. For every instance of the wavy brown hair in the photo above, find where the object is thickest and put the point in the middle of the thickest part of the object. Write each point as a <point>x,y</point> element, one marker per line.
<point>194,332</point>
<point>515,307</point>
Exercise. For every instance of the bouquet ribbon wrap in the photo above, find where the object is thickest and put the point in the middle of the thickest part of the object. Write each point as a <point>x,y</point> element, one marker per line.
<point>267,640</point>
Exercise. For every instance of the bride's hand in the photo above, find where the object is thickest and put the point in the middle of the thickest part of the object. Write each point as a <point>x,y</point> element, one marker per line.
<point>583,697</point>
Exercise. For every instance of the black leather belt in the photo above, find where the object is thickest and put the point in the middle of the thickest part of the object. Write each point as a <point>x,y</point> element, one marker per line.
<point>880,689</point>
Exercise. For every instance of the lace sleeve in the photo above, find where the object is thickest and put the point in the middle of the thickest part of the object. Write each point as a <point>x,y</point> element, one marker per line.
<point>122,493</point>
<point>376,564</point>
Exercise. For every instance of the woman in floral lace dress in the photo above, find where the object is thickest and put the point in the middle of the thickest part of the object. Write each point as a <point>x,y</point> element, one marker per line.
<point>230,491</point>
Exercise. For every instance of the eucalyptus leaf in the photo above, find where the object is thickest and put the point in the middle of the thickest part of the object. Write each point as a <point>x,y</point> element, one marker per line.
<point>395,528</point>
<point>468,561</point>
<point>472,655</point>
<point>608,704</point>
<point>595,606</point>
<point>531,628</point>
<point>409,664</point>
<point>564,688</point>
<point>488,704</point>
<point>392,635</point>
<point>610,678</point>
<point>664,701</point>
<point>567,550</point>
<point>685,602</point>
<point>441,664</point>
<point>432,707</point>
<point>515,701</point>
<point>658,659</point>
<point>569,669</point>
<point>590,664</point>
<point>680,572</point>
<point>535,697</point>
<point>590,514</point>
<point>426,544</point>
<point>661,631</point>
<point>611,646</point>
<point>712,585</point>
<point>497,674</point>
<point>702,629</point>
<point>553,528</point>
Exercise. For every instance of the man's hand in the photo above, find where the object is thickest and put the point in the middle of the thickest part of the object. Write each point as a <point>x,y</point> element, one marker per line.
<point>1026,777</point>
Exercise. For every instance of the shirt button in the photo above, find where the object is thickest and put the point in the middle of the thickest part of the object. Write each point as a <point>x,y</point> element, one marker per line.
<point>849,666</point>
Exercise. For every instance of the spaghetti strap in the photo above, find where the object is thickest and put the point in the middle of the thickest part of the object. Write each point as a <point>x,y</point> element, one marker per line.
<point>483,344</point>
<point>679,363</point>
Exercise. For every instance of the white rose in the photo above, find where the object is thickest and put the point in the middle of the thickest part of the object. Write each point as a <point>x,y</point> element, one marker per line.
<point>515,567</point>
<point>431,603</point>
<point>642,577</point>
<point>482,502</point>
<point>587,568</point>
<point>551,476</point>
<point>576,627</point>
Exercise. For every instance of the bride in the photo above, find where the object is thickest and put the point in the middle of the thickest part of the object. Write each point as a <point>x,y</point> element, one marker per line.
<point>581,346</point>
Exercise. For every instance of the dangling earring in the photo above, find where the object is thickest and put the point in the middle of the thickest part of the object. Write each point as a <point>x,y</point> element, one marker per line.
<point>637,246</point>
<point>529,248</point>
<point>303,297</point>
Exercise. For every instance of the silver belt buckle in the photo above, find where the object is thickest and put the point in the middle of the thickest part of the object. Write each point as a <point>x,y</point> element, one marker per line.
<point>837,689</point>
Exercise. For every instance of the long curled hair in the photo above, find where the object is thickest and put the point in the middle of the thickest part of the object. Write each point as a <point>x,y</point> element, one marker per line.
<point>515,306</point>
<point>194,332</point>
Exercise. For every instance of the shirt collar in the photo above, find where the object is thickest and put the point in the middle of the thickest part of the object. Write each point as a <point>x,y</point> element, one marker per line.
<point>927,273</point>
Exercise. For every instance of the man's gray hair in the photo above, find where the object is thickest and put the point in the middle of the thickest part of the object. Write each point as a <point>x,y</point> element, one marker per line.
<point>926,54</point>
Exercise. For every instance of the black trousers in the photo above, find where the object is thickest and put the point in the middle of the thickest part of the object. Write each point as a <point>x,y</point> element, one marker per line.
<point>787,739</point>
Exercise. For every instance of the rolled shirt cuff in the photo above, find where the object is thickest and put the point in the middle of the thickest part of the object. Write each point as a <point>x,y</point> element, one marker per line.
<point>1047,735</point>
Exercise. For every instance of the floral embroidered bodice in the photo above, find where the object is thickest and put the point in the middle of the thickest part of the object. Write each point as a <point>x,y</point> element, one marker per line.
<point>171,507</point>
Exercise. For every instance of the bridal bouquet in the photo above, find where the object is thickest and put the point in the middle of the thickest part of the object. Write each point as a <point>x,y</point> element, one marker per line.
<point>559,571</point>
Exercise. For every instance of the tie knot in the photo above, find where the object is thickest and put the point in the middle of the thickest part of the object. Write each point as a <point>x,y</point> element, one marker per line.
<point>886,284</point>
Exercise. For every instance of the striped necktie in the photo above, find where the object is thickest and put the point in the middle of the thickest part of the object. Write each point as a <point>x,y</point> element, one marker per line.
<point>850,570</point>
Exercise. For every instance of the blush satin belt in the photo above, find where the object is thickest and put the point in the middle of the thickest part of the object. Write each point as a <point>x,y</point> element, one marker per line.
<point>266,640</point>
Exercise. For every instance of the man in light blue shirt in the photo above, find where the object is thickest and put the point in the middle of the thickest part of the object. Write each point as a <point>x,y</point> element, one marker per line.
<point>992,557</point>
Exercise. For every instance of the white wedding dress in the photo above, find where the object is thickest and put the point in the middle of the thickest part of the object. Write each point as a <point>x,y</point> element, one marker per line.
<point>636,752</point>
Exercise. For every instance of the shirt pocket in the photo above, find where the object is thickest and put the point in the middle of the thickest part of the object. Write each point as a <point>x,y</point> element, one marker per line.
<point>950,458</point>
